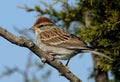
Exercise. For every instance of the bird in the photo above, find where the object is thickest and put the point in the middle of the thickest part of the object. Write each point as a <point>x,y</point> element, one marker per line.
<point>58,42</point>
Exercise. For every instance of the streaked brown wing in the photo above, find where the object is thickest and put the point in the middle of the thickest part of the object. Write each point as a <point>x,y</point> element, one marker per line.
<point>74,43</point>
<point>60,38</point>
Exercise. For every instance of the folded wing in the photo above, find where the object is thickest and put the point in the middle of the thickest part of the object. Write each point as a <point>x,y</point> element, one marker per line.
<point>61,38</point>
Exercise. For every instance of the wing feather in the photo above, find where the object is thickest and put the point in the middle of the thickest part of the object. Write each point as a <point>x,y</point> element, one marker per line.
<point>61,38</point>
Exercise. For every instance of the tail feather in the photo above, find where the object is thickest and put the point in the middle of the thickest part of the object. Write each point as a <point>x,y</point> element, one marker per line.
<point>97,53</point>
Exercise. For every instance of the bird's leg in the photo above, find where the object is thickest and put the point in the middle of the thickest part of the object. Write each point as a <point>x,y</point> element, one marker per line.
<point>67,62</point>
<point>54,55</point>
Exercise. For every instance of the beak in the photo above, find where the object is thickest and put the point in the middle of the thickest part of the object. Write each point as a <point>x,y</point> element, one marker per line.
<point>33,28</point>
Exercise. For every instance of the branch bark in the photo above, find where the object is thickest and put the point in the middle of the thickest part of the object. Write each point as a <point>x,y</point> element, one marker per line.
<point>23,42</point>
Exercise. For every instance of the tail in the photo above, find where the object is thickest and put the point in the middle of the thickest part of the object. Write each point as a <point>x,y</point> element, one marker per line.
<point>97,53</point>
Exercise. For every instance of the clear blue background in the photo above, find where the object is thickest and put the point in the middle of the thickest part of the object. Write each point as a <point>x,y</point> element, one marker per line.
<point>15,56</point>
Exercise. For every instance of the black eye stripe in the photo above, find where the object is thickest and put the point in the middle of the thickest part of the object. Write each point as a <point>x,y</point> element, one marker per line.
<point>39,26</point>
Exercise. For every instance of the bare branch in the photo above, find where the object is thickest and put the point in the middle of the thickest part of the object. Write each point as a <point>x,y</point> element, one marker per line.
<point>23,42</point>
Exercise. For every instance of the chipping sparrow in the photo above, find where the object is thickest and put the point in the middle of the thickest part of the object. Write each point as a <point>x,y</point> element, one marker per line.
<point>58,42</point>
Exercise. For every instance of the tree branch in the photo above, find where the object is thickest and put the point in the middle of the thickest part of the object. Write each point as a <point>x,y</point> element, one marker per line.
<point>23,42</point>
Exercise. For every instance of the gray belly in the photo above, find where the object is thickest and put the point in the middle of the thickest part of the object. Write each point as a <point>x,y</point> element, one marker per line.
<point>60,53</point>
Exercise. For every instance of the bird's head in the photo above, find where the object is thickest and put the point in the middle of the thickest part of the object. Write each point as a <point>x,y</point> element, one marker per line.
<point>41,22</point>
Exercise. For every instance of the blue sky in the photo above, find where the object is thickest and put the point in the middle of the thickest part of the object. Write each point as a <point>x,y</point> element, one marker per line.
<point>12,55</point>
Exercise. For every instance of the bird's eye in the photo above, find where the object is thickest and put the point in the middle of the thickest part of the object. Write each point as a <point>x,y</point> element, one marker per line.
<point>40,26</point>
